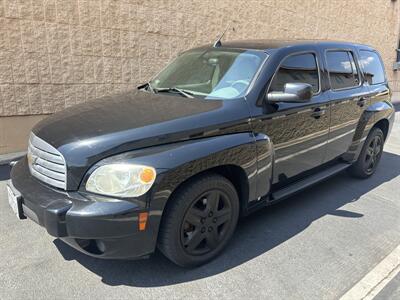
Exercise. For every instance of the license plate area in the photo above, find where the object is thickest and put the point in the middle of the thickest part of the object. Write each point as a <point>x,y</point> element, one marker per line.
<point>15,201</point>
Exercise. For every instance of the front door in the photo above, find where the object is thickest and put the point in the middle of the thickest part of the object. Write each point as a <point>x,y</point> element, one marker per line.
<point>298,131</point>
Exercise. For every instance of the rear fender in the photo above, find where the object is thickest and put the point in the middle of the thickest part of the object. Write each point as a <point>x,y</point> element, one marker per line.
<point>382,110</point>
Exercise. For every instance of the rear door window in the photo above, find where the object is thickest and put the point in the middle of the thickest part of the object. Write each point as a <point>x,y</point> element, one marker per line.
<point>373,70</point>
<point>342,70</point>
<point>299,68</point>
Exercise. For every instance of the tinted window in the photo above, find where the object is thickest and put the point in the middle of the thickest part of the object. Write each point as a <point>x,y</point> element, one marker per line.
<point>373,69</point>
<point>300,68</point>
<point>342,69</point>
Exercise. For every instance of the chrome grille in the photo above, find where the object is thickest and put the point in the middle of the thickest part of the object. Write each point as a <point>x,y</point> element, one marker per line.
<point>46,163</point>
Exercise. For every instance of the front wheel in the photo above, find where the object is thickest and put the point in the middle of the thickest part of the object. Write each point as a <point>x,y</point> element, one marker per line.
<point>370,155</point>
<point>199,220</point>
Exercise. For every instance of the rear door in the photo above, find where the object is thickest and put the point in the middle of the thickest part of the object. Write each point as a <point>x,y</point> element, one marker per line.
<point>349,97</point>
<point>374,74</point>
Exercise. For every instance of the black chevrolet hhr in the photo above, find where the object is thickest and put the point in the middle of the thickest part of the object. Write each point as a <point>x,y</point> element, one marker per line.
<point>223,130</point>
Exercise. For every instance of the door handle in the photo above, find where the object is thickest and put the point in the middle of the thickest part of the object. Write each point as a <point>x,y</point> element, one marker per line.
<point>318,112</point>
<point>361,102</point>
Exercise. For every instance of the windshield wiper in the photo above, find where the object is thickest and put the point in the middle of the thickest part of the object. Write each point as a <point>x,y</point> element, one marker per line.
<point>184,93</point>
<point>150,87</point>
<point>147,86</point>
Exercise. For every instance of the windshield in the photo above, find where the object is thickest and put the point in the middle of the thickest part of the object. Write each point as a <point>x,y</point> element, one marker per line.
<point>212,73</point>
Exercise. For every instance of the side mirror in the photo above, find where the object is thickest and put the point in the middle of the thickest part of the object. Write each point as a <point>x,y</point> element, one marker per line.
<point>293,93</point>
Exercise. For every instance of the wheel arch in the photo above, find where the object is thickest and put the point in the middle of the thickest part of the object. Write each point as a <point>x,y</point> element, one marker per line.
<point>234,173</point>
<point>383,125</point>
<point>382,114</point>
<point>378,115</point>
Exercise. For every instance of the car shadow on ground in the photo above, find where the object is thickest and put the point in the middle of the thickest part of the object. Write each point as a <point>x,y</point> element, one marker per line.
<point>255,235</point>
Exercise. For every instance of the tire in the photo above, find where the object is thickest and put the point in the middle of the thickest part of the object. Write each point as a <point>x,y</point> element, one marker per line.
<point>370,155</point>
<point>199,220</point>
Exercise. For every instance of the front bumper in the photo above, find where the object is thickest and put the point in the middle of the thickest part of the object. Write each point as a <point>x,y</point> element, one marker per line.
<point>101,229</point>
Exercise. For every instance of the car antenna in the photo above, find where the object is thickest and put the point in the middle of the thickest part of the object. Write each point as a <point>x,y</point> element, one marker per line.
<point>218,43</point>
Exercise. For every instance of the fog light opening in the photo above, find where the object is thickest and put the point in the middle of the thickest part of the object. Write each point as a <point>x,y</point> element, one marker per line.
<point>92,246</point>
<point>101,246</point>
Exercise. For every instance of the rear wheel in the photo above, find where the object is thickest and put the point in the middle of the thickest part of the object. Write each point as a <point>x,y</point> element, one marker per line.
<point>199,221</point>
<point>370,155</point>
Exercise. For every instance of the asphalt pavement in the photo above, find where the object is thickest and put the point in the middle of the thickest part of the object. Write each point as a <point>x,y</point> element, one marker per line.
<point>316,245</point>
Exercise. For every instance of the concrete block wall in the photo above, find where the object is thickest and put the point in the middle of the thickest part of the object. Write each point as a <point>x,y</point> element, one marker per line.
<point>56,53</point>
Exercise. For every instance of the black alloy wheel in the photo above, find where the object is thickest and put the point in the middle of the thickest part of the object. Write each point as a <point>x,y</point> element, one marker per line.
<point>370,155</point>
<point>199,220</point>
<point>373,153</point>
<point>206,222</point>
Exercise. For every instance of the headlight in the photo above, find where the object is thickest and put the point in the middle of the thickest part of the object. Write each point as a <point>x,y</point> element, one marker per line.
<point>121,180</point>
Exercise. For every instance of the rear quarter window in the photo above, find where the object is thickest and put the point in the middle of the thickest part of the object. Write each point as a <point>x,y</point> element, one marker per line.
<point>373,70</point>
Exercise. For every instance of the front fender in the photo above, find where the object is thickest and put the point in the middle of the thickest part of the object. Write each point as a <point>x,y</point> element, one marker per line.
<point>177,162</point>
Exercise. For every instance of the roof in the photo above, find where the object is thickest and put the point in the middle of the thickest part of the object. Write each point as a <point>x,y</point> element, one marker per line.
<point>273,44</point>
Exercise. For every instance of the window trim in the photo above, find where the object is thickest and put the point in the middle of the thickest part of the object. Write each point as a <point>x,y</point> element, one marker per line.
<point>382,65</point>
<point>314,53</point>
<point>360,78</point>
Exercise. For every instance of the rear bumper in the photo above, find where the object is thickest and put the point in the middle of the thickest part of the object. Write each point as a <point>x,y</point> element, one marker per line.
<point>101,229</point>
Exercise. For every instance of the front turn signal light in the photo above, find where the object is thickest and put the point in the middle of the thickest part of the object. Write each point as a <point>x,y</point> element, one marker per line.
<point>143,220</point>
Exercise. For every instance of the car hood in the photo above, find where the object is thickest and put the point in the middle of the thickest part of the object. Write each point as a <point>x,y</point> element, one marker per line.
<point>89,132</point>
